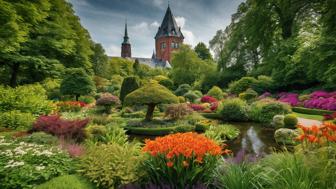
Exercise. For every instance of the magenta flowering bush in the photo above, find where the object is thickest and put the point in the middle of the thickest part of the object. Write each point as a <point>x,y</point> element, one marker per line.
<point>321,103</point>
<point>265,95</point>
<point>289,98</point>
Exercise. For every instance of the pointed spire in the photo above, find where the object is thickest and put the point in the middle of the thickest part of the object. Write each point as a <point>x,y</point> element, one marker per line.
<point>153,55</point>
<point>126,38</point>
<point>169,26</point>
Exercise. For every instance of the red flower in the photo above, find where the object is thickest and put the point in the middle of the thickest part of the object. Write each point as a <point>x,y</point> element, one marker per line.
<point>170,164</point>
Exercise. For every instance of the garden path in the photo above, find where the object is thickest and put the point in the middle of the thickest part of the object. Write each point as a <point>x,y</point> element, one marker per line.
<point>308,122</point>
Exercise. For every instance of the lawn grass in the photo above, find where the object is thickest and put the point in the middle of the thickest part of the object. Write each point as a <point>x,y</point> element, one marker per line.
<point>309,116</point>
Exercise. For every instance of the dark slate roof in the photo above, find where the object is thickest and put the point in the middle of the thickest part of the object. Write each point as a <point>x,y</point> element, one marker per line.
<point>169,26</point>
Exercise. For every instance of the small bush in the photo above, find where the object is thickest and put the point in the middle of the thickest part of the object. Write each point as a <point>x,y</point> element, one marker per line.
<point>278,121</point>
<point>182,89</point>
<point>111,165</point>
<point>167,83</point>
<point>241,85</point>
<point>67,182</point>
<point>264,110</point>
<point>177,111</point>
<point>286,136</point>
<point>290,121</point>
<point>190,96</point>
<point>67,129</point>
<point>181,99</point>
<point>233,110</point>
<point>208,99</point>
<point>101,119</point>
<point>16,119</point>
<point>216,92</point>
<point>107,101</point>
<point>86,99</point>
<point>222,133</point>
<point>40,138</point>
<point>248,95</point>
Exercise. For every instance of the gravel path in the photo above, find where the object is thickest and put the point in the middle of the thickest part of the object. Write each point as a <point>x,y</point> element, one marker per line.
<point>308,122</point>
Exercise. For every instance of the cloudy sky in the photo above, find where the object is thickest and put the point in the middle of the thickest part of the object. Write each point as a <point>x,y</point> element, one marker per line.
<point>105,19</point>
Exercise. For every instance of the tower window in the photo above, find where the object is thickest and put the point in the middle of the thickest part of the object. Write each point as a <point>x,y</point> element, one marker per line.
<point>174,45</point>
<point>163,45</point>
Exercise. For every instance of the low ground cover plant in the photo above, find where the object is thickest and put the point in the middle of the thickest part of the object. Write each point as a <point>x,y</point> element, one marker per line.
<point>25,165</point>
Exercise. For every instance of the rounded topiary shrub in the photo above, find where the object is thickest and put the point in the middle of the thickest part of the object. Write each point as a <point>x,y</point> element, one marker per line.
<point>241,85</point>
<point>290,121</point>
<point>216,92</point>
<point>248,95</point>
<point>278,121</point>
<point>286,136</point>
<point>233,110</point>
<point>167,83</point>
<point>264,110</point>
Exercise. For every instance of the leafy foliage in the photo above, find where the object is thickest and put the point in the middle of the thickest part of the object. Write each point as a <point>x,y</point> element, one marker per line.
<point>177,111</point>
<point>77,82</point>
<point>290,121</point>
<point>128,85</point>
<point>111,165</point>
<point>23,165</point>
<point>216,92</point>
<point>151,95</point>
<point>16,120</point>
<point>264,110</point>
<point>67,182</point>
<point>233,110</point>
<point>67,129</point>
<point>202,51</point>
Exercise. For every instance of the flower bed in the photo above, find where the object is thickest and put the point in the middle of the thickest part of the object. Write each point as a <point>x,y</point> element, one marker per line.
<point>181,159</point>
<point>70,106</point>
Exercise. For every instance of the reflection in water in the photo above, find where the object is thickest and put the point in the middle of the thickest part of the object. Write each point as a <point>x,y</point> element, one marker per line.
<point>254,140</point>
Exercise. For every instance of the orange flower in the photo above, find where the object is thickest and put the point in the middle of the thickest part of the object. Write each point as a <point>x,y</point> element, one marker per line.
<point>185,164</point>
<point>170,164</point>
<point>227,151</point>
<point>315,129</point>
<point>186,144</point>
<point>301,137</point>
<point>312,138</point>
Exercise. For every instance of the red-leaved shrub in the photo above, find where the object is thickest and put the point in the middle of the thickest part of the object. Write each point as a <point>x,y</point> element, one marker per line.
<point>55,125</point>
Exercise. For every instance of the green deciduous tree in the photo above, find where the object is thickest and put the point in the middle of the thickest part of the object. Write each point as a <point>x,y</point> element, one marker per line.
<point>77,82</point>
<point>202,51</point>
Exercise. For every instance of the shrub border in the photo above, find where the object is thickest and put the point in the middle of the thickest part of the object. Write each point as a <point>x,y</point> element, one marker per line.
<point>150,131</point>
<point>311,111</point>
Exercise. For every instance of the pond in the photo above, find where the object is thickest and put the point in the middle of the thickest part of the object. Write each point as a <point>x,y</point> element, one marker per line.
<point>254,140</point>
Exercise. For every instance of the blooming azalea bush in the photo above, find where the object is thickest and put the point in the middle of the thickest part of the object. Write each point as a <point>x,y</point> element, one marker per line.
<point>290,98</point>
<point>24,165</point>
<point>108,101</point>
<point>181,160</point>
<point>70,106</point>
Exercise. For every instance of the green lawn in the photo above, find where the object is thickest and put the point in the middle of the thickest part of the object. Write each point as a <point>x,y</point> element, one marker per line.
<point>309,116</point>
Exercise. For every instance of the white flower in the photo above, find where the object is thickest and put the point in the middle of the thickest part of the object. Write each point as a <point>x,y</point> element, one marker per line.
<point>39,168</point>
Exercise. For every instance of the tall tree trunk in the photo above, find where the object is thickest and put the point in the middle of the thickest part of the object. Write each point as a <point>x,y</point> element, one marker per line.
<point>150,111</point>
<point>287,28</point>
<point>77,97</point>
<point>15,70</point>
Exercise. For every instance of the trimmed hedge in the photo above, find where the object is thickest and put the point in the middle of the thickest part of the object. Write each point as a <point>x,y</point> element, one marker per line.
<point>311,111</point>
<point>211,115</point>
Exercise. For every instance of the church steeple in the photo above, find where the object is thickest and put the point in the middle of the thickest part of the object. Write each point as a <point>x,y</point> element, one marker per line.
<point>126,38</point>
<point>126,45</point>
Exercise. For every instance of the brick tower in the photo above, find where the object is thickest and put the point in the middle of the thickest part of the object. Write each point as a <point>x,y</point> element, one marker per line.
<point>168,38</point>
<point>126,45</point>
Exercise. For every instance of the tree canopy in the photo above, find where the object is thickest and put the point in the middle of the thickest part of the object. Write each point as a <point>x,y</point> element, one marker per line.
<point>151,95</point>
<point>290,40</point>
